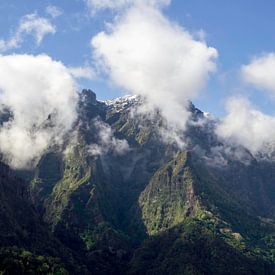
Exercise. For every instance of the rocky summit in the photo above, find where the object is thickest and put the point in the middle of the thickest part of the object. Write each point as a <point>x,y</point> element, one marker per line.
<point>121,196</point>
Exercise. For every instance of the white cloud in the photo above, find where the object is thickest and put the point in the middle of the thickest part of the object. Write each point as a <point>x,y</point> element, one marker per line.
<point>40,93</point>
<point>246,126</point>
<point>54,11</point>
<point>95,5</point>
<point>83,72</point>
<point>261,73</point>
<point>30,24</point>
<point>106,141</point>
<point>146,54</point>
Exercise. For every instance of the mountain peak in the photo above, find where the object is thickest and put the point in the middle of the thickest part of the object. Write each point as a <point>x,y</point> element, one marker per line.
<point>123,102</point>
<point>88,96</point>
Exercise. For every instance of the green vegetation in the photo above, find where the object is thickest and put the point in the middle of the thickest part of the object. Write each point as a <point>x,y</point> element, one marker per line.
<point>169,197</point>
<point>191,248</point>
<point>19,261</point>
<point>153,210</point>
<point>76,173</point>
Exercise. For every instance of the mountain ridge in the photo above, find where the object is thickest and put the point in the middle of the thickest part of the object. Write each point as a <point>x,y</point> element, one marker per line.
<point>153,208</point>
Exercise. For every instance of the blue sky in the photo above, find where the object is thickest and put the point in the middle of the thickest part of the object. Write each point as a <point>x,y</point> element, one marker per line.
<point>238,30</point>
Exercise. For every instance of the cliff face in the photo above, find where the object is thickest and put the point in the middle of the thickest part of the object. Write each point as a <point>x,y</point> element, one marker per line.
<point>125,200</point>
<point>169,198</point>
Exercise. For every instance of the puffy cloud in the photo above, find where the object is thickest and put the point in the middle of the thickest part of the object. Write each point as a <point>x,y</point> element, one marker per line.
<point>146,54</point>
<point>106,141</point>
<point>260,72</point>
<point>95,5</point>
<point>244,124</point>
<point>30,24</point>
<point>54,11</point>
<point>41,96</point>
<point>247,126</point>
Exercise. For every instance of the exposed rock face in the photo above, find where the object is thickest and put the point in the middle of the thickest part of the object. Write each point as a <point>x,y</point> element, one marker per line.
<point>154,209</point>
<point>88,97</point>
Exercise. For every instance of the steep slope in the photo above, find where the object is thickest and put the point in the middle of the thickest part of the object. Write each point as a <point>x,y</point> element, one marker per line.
<point>189,214</point>
<point>154,208</point>
<point>170,196</point>
<point>80,202</point>
<point>26,244</point>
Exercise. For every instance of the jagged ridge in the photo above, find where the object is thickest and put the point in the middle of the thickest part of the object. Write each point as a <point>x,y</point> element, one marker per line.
<point>155,208</point>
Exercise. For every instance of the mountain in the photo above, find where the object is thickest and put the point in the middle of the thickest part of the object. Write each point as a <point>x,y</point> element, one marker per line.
<point>27,245</point>
<point>120,197</point>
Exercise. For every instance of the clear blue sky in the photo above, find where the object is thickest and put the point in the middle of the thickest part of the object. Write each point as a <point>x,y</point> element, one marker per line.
<point>238,29</point>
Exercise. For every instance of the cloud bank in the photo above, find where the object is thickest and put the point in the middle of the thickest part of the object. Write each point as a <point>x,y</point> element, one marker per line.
<point>30,24</point>
<point>41,96</point>
<point>148,55</point>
